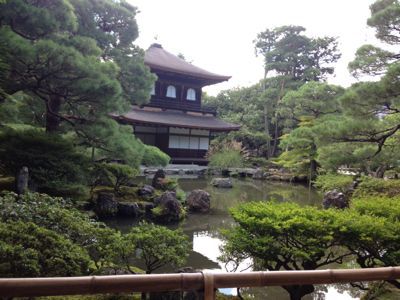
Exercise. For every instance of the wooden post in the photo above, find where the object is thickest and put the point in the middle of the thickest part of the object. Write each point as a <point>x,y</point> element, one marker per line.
<point>209,289</point>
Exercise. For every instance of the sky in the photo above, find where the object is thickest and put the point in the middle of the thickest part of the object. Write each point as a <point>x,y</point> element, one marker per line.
<point>218,35</point>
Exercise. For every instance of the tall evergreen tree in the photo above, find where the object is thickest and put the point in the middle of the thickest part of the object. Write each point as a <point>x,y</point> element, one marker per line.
<point>75,61</point>
<point>370,125</point>
<point>292,58</point>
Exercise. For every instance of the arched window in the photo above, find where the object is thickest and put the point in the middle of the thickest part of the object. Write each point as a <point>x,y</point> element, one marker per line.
<point>191,94</point>
<point>171,91</point>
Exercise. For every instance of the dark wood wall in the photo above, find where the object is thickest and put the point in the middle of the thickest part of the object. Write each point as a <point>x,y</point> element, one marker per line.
<point>180,102</point>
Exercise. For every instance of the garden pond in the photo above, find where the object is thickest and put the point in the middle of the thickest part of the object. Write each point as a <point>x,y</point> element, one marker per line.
<point>204,229</point>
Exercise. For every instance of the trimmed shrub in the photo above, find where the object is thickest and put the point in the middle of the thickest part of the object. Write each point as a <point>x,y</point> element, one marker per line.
<point>380,187</point>
<point>331,181</point>
<point>154,157</point>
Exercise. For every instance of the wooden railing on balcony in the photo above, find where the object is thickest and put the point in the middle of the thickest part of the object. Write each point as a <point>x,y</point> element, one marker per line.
<point>206,281</point>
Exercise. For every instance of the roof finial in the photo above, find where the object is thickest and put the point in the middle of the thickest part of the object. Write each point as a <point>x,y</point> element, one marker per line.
<point>156,44</point>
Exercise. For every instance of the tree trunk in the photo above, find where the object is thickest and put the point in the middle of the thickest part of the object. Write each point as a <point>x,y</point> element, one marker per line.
<point>266,128</point>
<point>276,131</point>
<point>266,120</point>
<point>273,151</point>
<point>380,172</point>
<point>297,292</point>
<point>52,118</point>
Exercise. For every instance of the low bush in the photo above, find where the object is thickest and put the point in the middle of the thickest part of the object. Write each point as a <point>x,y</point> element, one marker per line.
<point>59,216</point>
<point>258,162</point>
<point>226,159</point>
<point>154,157</point>
<point>375,186</point>
<point>331,181</point>
<point>378,206</point>
<point>28,250</point>
<point>227,154</point>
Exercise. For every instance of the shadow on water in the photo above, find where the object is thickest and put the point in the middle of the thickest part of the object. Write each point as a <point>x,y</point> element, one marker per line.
<point>204,229</point>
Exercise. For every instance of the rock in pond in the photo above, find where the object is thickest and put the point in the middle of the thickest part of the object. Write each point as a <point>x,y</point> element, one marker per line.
<point>198,201</point>
<point>222,182</point>
<point>259,174</point>
<point>157,179</point>
<point>335,199</point>
<point>128,210</point>
<point>146,191</point>
<point>168,209</point>
<point>106,205</point>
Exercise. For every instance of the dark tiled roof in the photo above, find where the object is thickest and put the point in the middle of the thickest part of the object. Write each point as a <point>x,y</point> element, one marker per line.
<point>176,119</point>
<point>159,59</point>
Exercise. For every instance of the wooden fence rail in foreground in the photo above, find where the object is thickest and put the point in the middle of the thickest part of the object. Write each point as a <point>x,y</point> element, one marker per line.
<point>207,281</point>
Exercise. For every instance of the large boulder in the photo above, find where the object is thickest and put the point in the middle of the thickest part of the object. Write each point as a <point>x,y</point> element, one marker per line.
<point>222,182</point>
<point>335,199</point>
<point>168,209</point>
<point>146,191</point>
<point>158,177</point>
<point>128,209</point>
<point>198,201</point>
<point>106,205</point>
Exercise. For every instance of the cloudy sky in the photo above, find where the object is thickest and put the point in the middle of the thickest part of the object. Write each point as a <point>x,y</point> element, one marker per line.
<point>218,35</point>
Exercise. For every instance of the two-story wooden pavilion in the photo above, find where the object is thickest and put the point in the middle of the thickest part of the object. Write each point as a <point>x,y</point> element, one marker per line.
<point>174,119</point>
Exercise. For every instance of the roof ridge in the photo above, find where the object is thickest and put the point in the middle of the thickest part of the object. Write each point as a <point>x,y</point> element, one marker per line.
<point>158,58</point>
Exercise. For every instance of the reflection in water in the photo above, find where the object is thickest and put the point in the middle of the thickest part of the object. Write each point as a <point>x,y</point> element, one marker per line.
<point>204,229</point>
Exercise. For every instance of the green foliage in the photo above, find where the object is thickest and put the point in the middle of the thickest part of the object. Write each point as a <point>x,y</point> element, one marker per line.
<point>58,215</point>
<point>27,250</point>
<point>180,195</point>
<point>378,206</point>
<point>67,65</point>
<point>115,174</point>
<point>300,153</point>
<point>226,159</point>
<point>371,232</point>
<point>371,118</point>
<point>283,235</point>
<point>370,186</point>
<point>227,154</point>
<point>54,163</point>
<point>158,246</point>
<point>290,53</point>
<point>154,157</point>
<point>286,236</point>
<point>306,109</point>
<point>257,161</point>
<point>169,184</point>
<point>328,182</point>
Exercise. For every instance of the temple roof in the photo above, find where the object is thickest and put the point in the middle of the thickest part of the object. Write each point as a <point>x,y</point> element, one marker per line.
<point>151,116</point>
<point>159,59</point>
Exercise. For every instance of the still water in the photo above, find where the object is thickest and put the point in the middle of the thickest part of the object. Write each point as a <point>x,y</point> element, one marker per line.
<point>204,229</point>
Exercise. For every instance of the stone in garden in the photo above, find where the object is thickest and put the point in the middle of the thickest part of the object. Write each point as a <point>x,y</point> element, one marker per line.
<point>259,174</point>
<point>157,179</point>
<point>146,191</point>
<point>168,209</point>
<point>198,201</point>
<point>22,181</point>
<point>128,210</point>
<point>106,205</point>
<point>335,199</point>
<point>222,182</point>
